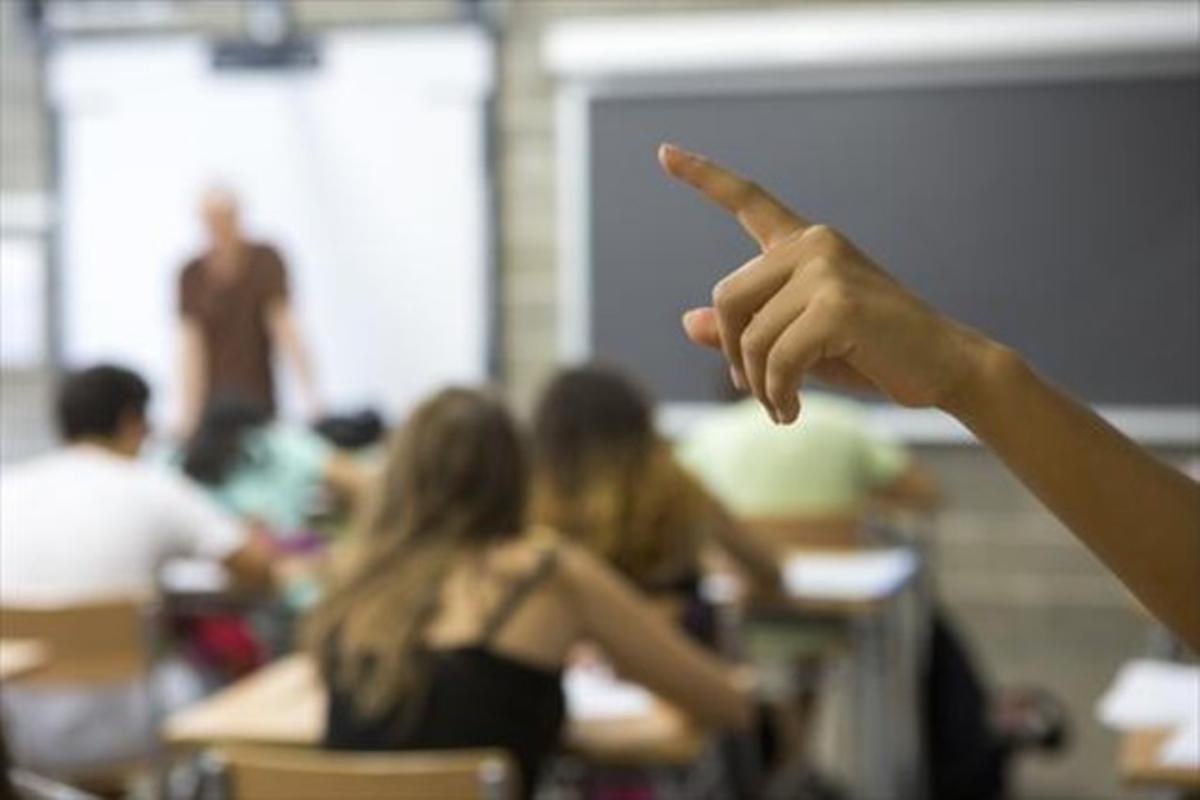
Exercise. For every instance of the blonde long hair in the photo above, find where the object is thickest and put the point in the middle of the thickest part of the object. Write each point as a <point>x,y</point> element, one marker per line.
<point>455,479</point>
<point>603,476</point>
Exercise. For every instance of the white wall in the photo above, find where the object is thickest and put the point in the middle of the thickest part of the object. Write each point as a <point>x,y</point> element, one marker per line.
<point>368,173</point>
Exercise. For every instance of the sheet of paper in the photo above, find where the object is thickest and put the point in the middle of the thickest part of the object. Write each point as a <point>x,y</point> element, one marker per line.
<point>1182,748</point>
<point>193,576</point>
<point>854,575</point>
<point>1151,694</point>
<point>594,693</point>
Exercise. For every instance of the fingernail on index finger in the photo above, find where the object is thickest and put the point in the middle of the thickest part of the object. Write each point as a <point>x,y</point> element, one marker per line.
<point>671,156</point>
<point>665,152</point>
<point>762,216</point>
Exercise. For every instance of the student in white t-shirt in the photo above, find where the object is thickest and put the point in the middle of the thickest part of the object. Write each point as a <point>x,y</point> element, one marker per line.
<point>87,522</point>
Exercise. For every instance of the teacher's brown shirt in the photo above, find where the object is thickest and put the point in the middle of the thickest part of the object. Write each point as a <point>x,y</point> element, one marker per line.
<point>232,317</point>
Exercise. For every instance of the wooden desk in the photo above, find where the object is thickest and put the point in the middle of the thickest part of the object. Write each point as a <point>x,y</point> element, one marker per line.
<point>20,657</point>
<point>886,629</point>
<point>661,737</point>
<point>284,704</point>
<point>826,532</point>
<point>1140,766</point>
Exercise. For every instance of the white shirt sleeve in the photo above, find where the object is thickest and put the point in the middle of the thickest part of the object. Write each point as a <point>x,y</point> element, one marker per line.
<point>194,524</point>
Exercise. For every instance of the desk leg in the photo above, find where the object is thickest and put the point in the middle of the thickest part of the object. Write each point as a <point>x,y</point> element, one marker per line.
<point>888,698</point>
<point>876,780</point>
<point>911,647</point>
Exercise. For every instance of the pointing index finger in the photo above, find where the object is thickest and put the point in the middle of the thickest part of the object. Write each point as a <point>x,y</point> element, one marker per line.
<point>763,217</point>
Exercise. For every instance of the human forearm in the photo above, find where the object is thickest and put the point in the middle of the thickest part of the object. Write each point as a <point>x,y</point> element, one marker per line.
<point>752,554</point>
<point>192,378</point>
<point>648,650</point>
<point>1137,514</point>
<point>250,567</point>
<point>348,479</point>
<point>305,374</point>
<point>915,490</point>
<point>287,338</point>
<point>815,304</point>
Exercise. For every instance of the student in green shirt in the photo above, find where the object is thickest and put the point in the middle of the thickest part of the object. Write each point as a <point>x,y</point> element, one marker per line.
<point>831,468</point>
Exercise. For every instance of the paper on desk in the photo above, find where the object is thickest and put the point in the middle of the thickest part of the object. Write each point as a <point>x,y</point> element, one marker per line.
<point>1182,748</point>
<point>193,576</point>
<point>853,575</point>
<point>1151,694</point>
<point>594,693</point>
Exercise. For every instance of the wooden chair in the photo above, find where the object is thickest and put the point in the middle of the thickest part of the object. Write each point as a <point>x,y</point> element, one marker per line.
<point>271,773</point>
<point>92,644</point>
<point>30,786</point>
<point>837,532</point>
<point>100,642</point>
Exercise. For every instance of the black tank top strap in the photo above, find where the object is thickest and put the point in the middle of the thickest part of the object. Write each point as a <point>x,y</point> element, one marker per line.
<point>512,601</point>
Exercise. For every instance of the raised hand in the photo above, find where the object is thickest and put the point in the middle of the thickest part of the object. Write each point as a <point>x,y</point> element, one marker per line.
<point>813,303</point>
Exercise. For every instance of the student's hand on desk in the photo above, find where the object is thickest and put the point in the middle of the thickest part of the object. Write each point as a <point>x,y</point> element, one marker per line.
<point>813,303</point>
<point>587,655</point>
<point>747,679</point>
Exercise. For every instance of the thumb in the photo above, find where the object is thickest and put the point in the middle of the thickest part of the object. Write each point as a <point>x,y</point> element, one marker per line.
<point>700,325</point>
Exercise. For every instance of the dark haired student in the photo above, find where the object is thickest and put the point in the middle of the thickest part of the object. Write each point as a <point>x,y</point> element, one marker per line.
<point>87,522</point>
<point>453,627</point>
<point>604,477</point>
<point>265,470</point>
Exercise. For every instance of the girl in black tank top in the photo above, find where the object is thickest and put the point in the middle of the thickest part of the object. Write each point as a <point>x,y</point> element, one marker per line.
<point>453,490</point>
<point>452,497</point>
<point>467,696</point>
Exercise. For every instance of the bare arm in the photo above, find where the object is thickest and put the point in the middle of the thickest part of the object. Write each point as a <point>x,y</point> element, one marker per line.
<point>192,375</point>
<point>914,489</point>
<point>1138,514</point>
<point>759,559</point>
<point>750,552</point>
<point>251,565</point>
<point>648,649</point>
<point>285,335</point>
<point>812,303</point>
<point>346,477</point>
<point>195,526</point>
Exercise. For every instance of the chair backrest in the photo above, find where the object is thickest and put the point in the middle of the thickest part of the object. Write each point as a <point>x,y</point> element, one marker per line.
<point>85,643</point>
<point>823,532</point>
<point>269,773</point>
<point>31,786</point>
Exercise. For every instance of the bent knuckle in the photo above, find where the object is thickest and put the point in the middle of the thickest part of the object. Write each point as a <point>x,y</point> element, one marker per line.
<point>723,294</point>
<point>839,301</point>
<point>780,373</point>
<point>822,269</point>
<point>825,238</point>
<point>754,344</point>
<point>777,367</point>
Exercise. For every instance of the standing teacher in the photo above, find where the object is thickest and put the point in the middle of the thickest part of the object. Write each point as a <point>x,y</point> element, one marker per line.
<point>235,312</point>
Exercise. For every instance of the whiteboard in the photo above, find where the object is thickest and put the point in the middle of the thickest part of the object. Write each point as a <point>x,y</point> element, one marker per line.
<point>368,173</point>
